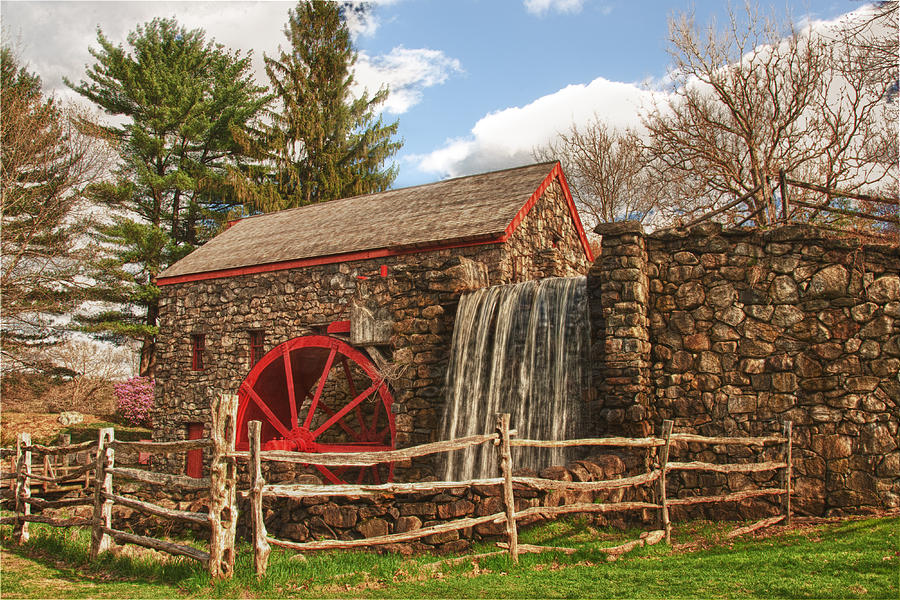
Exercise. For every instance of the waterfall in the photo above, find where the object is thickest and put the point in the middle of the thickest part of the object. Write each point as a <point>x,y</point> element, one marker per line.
<point>520,349</point>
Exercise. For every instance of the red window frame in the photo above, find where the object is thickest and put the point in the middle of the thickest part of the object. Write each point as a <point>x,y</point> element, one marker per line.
<point>257,345</point>
<point>198,344</point>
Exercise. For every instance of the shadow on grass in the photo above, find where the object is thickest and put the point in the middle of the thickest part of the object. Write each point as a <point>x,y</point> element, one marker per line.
<point>67,552</point>
<point>837,560</point>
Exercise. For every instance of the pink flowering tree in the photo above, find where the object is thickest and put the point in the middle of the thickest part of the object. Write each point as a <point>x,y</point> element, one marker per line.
<point>134,399</point>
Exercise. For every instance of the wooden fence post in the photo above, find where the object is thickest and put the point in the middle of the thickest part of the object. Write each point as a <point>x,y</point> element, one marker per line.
<point>788,471</point>
<point>223,487</point>
<point>48,472</point>
<point>102,519</point>
<point>64,460</point>
<point>509,500</point>
<point>261,547</point>
<point>23,487</point>
<point>663,461</point>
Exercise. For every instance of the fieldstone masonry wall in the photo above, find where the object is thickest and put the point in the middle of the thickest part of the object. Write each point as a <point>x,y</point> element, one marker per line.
<point>354,518</point>
<point>738,330</point>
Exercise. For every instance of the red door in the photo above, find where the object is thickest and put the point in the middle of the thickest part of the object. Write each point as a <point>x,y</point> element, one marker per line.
<point>194,467</point>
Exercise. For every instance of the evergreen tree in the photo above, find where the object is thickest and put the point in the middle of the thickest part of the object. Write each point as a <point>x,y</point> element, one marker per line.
<point>322,143</point>
<point>180,100</point>
<point>44,164</point>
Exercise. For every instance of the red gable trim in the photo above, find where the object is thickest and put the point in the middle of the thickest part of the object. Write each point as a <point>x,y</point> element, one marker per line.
<point>317,260</point>
<point>555,173</point>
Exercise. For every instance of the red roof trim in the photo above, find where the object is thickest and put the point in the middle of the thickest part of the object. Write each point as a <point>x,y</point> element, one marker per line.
<point>318,260</point>
<point>556,173</point>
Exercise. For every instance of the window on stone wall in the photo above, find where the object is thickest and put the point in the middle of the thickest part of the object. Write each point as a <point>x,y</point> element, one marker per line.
<point>257,345</point>
<point>198,343</point>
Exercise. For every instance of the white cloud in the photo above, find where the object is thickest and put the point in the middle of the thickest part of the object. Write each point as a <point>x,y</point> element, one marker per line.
<point>406,72</point>
<point>542,7</point>
<point>507,137</point>
<point>53,39</point>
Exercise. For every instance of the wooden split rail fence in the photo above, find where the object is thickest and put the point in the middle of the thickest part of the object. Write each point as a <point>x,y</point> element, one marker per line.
<point>796,208</point>
<point>504,439</point>
<point>57,474</point>
<point>221,484</point>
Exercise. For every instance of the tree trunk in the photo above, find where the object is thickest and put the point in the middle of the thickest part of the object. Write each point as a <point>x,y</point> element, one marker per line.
<point>148,344</point>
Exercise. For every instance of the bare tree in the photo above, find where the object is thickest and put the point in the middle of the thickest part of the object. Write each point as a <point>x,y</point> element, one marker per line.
<point>753,98</point>
<point>45,162</point>
<point>89,367</point>
<point>606,170</point>
<point>872,39</point>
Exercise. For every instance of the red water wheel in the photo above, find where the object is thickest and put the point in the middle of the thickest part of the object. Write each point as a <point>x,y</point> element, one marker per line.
<point>319,394</point>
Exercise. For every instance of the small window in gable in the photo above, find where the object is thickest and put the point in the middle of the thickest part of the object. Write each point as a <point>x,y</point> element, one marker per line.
<point>198,343</point>
<point>257,345</point>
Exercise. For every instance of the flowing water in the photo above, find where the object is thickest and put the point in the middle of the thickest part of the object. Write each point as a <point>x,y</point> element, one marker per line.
<point>520,349</point>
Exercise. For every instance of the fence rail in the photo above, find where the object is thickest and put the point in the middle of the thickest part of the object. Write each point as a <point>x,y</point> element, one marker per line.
<point>503,440</point>
<point>793,208</point>
<point>369,459</point>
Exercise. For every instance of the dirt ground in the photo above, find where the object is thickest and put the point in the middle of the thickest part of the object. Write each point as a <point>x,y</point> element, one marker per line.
<point>43,427</point>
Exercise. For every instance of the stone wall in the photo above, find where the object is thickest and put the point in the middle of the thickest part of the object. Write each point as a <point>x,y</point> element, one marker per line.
<point>420,293</point>
<point>730,332</point>
<point>343,518</point>
<point>317,518</point>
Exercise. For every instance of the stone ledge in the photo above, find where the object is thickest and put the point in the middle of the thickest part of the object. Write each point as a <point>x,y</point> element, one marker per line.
<point>619,228</point>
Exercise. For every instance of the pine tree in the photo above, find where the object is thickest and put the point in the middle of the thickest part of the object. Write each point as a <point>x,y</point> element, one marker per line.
<point>44,164</point>
<point>322,143</point>
<point>180,100</point>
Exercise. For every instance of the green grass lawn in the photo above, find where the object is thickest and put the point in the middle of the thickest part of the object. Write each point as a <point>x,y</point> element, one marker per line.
<point>848,559</point>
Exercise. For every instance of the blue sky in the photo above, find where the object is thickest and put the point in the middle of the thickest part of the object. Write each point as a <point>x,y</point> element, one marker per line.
<point>476,83</point>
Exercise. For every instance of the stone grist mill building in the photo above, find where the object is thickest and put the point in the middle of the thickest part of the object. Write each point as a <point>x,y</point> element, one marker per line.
<point>337,325</point>
<point>362,288</point>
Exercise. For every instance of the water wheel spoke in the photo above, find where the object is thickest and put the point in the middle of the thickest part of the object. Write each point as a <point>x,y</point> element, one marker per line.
<point>275,421</point>
<point>329,475</point>
<point>359,477</point>
<point>375,475</point>
<point>330,412</point>
<point>352,387</point>
<point>321,386</point>
<point>375,414</point>
<point>353,403</point>
<point>289,377</point>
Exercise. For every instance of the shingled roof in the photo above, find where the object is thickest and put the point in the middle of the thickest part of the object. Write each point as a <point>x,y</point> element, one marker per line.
<point>462,211</point>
